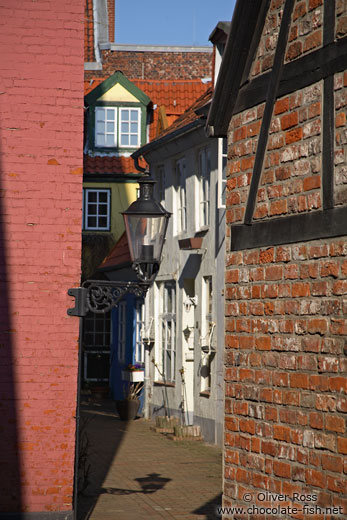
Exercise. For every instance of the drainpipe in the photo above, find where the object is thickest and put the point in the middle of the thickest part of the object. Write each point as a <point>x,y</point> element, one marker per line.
<point>78,404</point>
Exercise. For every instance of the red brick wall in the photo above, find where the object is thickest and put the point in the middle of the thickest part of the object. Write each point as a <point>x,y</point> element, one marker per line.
<point>156,65</point>
<point>41,98</point>
<point>286,307</point>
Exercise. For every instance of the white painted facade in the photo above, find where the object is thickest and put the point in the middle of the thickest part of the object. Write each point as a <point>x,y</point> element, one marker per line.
<point>184,310</point>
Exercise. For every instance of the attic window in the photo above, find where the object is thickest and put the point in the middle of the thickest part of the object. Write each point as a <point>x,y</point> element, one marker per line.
<point>110,134</point>
<point>129,127</point>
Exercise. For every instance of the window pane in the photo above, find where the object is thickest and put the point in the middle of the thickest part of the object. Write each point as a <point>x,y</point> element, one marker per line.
<point>91,221</point>
<point>110,127</point>
<point>103,210</point>
<point>109,140</point>
<point>99,339</point>
<point>88,339</point>
<point>100,127</point>
<point>102,196</point>
<point>92,209</point>
<point>110,114</point>
<point>92,196</point>
<point>100,140</point>
<point>125,140</point>
<point>125,128</point>
<point>102,222</point>
<point>125,115</point>
<point>134,115</point>
<point>168,365</point>
<point>100,114</point>
<point>133,140</point>
<point>133,128</point>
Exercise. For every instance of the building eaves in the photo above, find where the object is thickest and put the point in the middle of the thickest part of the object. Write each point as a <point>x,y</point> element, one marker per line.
<point>190,120</point>
<point>154,48</point>
<point>219,32</point>
<point>245,31</point>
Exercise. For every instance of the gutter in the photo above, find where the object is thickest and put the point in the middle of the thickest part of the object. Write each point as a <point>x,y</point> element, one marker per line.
<point>153,48</point>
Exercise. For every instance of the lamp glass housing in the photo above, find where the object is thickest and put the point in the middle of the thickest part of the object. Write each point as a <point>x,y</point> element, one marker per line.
<point>147,234</point>
<point>146,224</point>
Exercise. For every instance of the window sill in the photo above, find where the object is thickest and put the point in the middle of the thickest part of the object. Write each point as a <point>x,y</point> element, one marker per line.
<point>96,230</point>
<point>206,393</point>
<point>164,383</point>
<point>202,231</point>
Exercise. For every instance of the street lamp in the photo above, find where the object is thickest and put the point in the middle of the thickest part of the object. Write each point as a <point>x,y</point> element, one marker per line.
<point>146,224</point>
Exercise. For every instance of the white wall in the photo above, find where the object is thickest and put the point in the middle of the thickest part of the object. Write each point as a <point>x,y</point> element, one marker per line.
<point>188,268</point>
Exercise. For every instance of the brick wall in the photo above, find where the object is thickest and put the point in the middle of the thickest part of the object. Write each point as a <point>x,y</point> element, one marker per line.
<point>156,65</point>
<point>41,98</point>
<point>286,307</point>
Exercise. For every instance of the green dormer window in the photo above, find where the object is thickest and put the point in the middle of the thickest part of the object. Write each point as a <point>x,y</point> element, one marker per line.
<point>117,115</point>
<point>117,127</point>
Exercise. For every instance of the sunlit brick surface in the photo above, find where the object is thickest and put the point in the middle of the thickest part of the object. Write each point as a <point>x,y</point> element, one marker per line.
<point>41,97</point>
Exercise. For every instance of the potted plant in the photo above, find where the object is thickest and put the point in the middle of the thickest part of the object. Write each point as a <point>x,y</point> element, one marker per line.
<point>128,407</point>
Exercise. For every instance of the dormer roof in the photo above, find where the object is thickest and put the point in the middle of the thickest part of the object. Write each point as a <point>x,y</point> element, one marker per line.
<point>117,78</point>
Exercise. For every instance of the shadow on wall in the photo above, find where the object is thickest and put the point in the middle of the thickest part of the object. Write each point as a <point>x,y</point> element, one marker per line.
<point>10,489</point>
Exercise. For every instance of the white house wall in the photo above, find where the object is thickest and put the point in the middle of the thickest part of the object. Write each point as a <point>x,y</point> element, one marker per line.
<point>187,268</point>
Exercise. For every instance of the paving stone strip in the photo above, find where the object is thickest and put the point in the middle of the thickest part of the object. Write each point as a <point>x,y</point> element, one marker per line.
<point>136,473</point>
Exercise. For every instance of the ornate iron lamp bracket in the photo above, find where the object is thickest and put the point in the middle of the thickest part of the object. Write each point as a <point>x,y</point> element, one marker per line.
<point>100,297</point>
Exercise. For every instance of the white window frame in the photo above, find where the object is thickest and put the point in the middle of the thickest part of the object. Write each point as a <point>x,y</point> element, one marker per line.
<point>122,324</point>
<point>180,194</point>
<point>98,215</point>
<point>117,122</point>
<point>204,186</point>
<point>207,327</point>
<point>139,326</point>
<point>160,186</point>
<point>166,332</point>
<point>129,133</point>
<point>106,119</point>
<point>222,170</point>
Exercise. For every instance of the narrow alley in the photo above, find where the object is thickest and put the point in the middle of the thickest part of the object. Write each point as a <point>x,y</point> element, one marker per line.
<point>128,471</point>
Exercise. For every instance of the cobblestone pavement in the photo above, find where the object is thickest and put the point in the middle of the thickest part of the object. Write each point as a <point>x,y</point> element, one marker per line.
<point>136,473</point>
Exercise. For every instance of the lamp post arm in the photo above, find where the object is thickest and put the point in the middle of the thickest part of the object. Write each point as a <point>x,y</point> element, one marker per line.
<point>101,296</point>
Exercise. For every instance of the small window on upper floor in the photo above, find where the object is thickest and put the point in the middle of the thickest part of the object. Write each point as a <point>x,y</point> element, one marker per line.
<point>204,187</point>
<point>117,127</point>
<point>222,169</point>
<point>117,114</point>
<point>180,196</point>
<point>96,210</point>
<point>160,185</point>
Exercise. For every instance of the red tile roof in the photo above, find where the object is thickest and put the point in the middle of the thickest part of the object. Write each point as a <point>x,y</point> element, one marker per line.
<point>175,96</point>
<point>189,115</point>
<point>109,164</point>
<point>88,32</point>
<point>119,255</point>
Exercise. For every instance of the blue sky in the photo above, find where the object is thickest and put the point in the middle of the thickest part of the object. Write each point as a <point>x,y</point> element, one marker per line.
<point>169,22</point>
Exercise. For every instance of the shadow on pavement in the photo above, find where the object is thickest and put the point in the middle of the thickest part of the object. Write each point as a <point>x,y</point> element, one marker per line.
<point>210,508</point>
<point>101,433</point>
<point>150,484</point>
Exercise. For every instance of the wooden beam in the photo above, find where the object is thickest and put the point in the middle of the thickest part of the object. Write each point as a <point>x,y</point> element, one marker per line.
<point>296,75</point>
<point>272,88</point>
<point>328,114</point>
<point>288,230</point>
